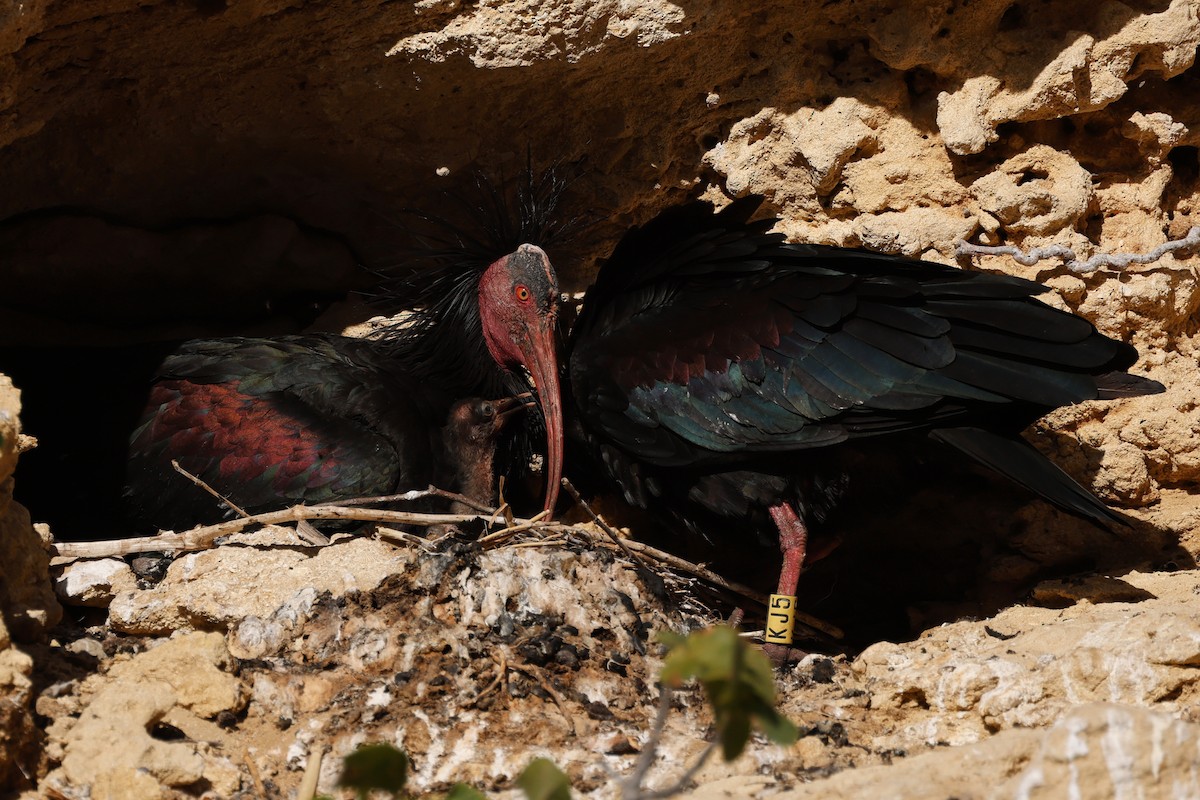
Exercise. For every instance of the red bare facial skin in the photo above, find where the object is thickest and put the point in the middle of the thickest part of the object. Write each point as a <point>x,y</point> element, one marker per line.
<point>518,305</point>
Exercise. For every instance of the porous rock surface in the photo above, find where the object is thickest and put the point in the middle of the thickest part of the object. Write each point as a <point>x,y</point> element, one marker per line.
<point>27,608</point>
<point>26,599</point>
<point>1092,684</point>
<point>287,137</point>
<point>105,742</point>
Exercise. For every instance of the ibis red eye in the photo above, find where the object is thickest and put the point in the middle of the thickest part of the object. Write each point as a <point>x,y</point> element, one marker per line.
<point>522,293</point>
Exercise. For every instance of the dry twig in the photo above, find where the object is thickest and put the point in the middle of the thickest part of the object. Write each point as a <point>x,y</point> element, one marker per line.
<point>222,499</point>
<point>631,785</point>
<point>501,678</point>
<point>555,542</point>
<point>304,529</point>
<point>204,537</point>
<point>536,674</point>
<point>259,788</point>
<point>604,526</point>
<point>312,775</point>
<point>513,529</point>
<point>1116,261</point>
<point>309,533</point>
<point>404,537</point>
<point>419,494</point>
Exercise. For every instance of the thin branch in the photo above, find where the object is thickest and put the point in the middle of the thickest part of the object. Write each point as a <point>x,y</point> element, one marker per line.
<point>308,532</point>
<point>520,526</point>
<point>631,786</point>
<point>419,494</point>
<point>501,678</point>
<point>203,538</point>
<point>699,570</point>
<point>685,778</point>
<point>604,526</point>
<point>482,508</point>
<point>503,510</point>
<point>225,501</point>
<point>557,542</point>
<point>312,775</point>
<point>1117,261</point>
<point>254,776</point>
<point>536,674</point>
<point>395,535</point>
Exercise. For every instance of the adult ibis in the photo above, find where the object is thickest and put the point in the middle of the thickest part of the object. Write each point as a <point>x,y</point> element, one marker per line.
<point>718,371</point>
<point>273,421</point>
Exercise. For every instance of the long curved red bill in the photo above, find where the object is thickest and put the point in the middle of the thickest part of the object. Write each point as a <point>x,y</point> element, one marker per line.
<point>543,366</point>
<point>518,306</point>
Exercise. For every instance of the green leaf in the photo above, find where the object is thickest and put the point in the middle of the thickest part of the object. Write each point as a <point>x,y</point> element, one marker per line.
<point>670,638</point>
<point>734,734</point>
<point>460,791</point>
<point>375,766</point>
<point>542,780</point>
<point>737,680</point>
<point>778,728</point>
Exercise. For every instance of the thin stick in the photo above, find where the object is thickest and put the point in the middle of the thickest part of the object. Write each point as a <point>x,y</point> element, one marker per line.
<point>535,673</point>
<point>1071,261</point>
<point>394,535</point>
<point>556,542</point>
<point>501,672</point>
<point>631,787</point>
<point>524,525</point>
<point>199,482</point>
<point>312,774</point>
<point>699,571</point>
<point>306,531</point>
<point>685,778</point>
<point>503,511</point>
<point>482,508</point>
<point>202,538</point>
<point>419,494</point>
<point>254,776</point>
<point>604,526</point>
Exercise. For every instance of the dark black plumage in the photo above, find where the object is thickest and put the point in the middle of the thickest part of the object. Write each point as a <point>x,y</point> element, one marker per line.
<point>720,372</point>
<point>271,422</point>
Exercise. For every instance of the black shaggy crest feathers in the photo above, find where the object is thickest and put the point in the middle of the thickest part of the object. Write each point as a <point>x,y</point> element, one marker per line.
<point>440,337</point>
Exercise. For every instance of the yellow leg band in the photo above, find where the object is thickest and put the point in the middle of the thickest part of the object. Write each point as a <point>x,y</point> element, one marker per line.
<point>781,619</point>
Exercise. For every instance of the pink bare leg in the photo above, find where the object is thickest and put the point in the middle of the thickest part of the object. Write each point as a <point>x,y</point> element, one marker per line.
<point>793,543</point>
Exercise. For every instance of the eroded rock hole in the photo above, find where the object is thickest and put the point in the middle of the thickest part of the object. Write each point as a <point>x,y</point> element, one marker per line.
<point>95,303</point>
<point>1185,161</point>
<point>1030,175</point>
<point>1013,18</point>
